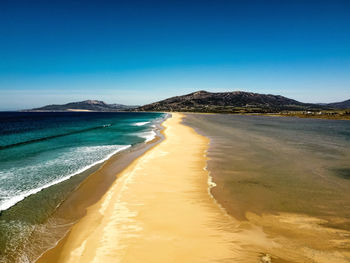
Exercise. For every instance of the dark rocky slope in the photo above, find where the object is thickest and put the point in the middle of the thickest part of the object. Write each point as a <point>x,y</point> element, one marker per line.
<point>237,101</point>
<point>90,105</point>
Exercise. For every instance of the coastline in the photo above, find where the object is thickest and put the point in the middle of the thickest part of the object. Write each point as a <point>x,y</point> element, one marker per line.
<point>159,211</point>
<point>99,178</point>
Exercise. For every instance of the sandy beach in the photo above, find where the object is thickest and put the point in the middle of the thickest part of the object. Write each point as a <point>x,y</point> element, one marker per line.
<point>159,210</point>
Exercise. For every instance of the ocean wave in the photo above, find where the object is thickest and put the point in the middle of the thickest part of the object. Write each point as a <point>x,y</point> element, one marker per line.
<point>147,135</point>
<point>18,196</point>
<point>141,123</point>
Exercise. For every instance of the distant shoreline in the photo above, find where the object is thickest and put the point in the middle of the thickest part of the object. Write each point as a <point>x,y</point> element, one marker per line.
<point>301,116</point>
<point>329,115</point>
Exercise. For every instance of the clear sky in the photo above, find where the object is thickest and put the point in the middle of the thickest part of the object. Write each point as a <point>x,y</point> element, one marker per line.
<point>136,52</point>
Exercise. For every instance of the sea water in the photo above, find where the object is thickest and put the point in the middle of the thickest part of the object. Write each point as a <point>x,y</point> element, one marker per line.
<point>43,157</point>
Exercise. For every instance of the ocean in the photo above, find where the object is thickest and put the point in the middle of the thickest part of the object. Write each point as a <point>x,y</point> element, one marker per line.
<point>44,156</point>
<point>289,177</point>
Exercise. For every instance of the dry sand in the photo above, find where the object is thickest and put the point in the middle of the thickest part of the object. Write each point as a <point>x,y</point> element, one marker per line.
<point>160,210</point>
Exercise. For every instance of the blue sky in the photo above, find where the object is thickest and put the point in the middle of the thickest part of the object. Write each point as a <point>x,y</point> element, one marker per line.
<point>136,52</point>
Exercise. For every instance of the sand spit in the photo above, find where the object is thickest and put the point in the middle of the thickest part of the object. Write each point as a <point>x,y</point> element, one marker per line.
<point>159,210</point>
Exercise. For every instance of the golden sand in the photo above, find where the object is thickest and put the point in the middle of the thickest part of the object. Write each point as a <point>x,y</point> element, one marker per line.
<point>159,210</point>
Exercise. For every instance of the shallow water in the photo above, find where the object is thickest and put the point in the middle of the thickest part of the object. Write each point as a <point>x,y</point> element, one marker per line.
<point>284,174</point>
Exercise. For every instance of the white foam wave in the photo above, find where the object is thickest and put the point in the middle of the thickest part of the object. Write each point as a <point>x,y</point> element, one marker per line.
<point>20,196</point>
<point>140,123</point>
<point>148,135</point>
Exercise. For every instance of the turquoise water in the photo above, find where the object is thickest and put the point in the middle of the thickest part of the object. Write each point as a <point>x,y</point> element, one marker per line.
<point>43,157</point>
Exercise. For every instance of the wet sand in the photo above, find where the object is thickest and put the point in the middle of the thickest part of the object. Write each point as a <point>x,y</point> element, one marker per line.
<point>160,210</point>
<point>287,176</point>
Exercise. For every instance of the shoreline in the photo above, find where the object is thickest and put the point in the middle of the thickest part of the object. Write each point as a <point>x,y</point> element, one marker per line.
<point>158,211</point>
<point>93,167</point>
<point>97,183</point>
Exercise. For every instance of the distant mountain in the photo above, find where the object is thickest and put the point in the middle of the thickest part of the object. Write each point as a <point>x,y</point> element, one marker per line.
<point>340,105</point>
<point>203,101</point>
<point>235,102</point>
<point>86,105</point>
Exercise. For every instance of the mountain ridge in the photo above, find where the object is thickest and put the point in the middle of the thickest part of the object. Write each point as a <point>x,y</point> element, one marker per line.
<point>233,102</point>
<point>340,105</point>
<point>86,105</point>
<point>204,101</point>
